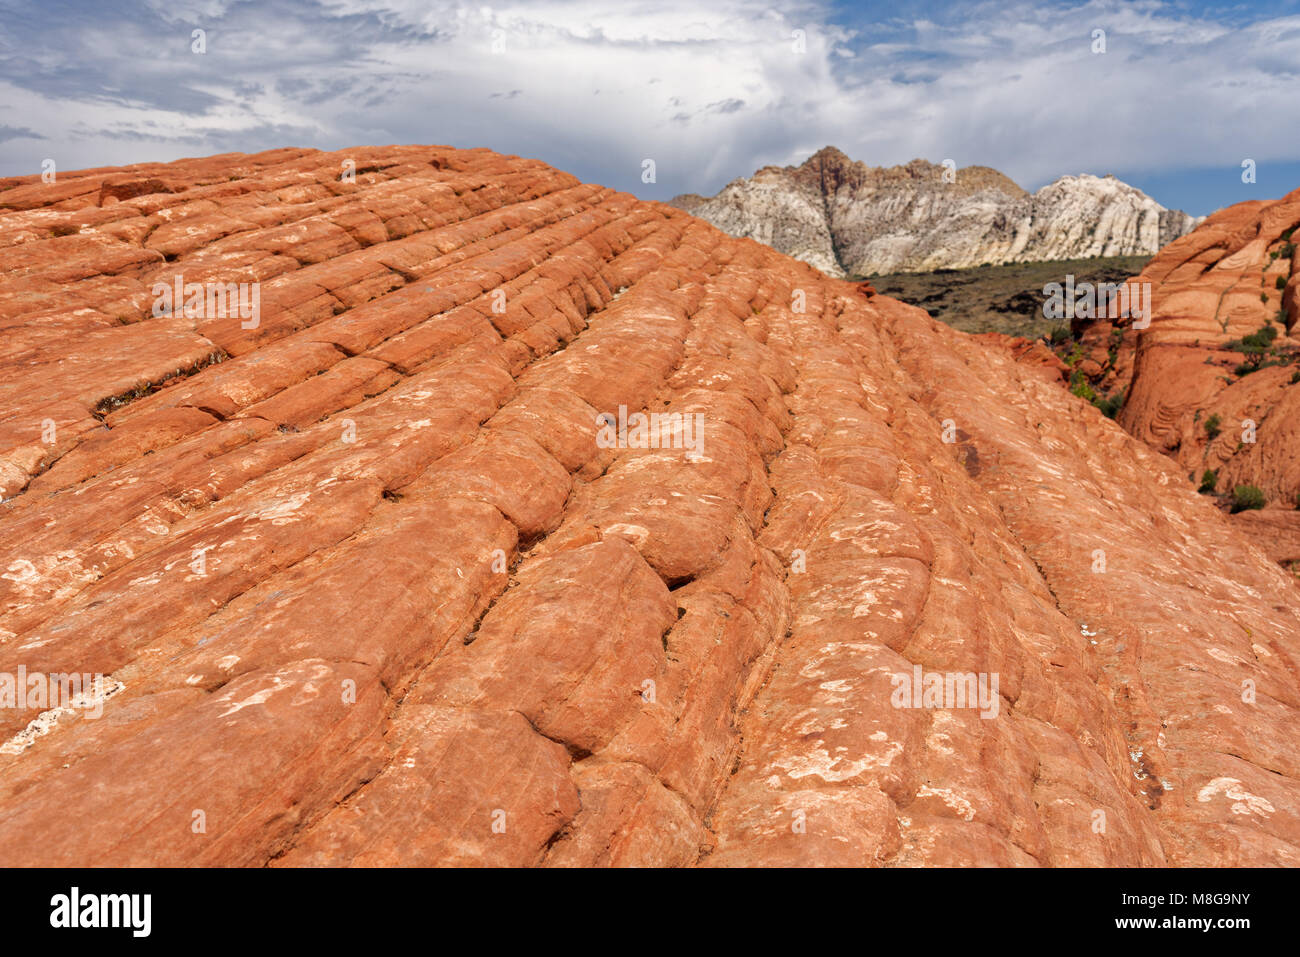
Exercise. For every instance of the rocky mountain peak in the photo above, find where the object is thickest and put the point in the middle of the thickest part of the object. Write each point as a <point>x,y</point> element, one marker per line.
<point>829,157</point>
<point>847,218</point>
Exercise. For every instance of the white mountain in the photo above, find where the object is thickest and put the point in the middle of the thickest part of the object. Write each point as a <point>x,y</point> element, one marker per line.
<point>847,218</point>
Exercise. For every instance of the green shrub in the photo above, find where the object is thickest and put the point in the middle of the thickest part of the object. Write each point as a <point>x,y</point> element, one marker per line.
<point>1246,368</point>
<point>1212,425</point>
<point>1260,339</point>
<point>1281,282</point>
<point>1263,297</point>
<point>1246,497</point>
<point>1110,404</point>
<point>1254,347</point>
<point>1083,390</point>
<point>1209,481</point>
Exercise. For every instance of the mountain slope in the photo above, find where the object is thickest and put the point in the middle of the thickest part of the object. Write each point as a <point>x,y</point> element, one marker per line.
<point>370,585</point>
<point>847,218</point>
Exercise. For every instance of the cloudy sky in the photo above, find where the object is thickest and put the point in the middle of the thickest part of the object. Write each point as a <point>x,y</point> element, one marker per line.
<point>1183,93</point>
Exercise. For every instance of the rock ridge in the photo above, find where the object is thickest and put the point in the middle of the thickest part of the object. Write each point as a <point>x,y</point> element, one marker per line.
<point>367,589</point>
<point>850,219</point>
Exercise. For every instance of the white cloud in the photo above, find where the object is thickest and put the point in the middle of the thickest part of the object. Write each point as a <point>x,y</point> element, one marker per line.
<point>707,91</point>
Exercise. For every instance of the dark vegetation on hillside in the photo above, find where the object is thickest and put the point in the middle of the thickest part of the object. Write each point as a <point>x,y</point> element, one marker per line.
<point>1006,298</point>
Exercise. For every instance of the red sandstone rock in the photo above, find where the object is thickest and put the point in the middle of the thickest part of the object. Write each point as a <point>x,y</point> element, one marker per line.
<point>1192,392</point>
<point>1030,352</point>
<point>118,190</point>
<point>368,588</point>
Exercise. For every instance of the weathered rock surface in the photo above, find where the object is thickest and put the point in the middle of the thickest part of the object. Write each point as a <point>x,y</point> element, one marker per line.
<point>367,584</point>
<point>1214,380</point>
<point>847,218</point>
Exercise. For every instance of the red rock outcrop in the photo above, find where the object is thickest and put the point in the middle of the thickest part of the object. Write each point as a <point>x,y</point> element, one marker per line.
<point>385,574</point>
<point>1029,351</point>
<point>1214,380</point>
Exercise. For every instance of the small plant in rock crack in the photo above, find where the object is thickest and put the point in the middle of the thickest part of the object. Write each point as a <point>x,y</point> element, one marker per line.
<point>1257,343</point>
<point>1212,425</point>
<point>1281,282</point>
<point>1246,368</point>
<point>1113,347</point>
<point>1209,481</point>
<point>1059,334</point>
<point>1110,404</point>
<point>1079,386</point>
<point>1247,497</point>
<point>1255,347</point>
